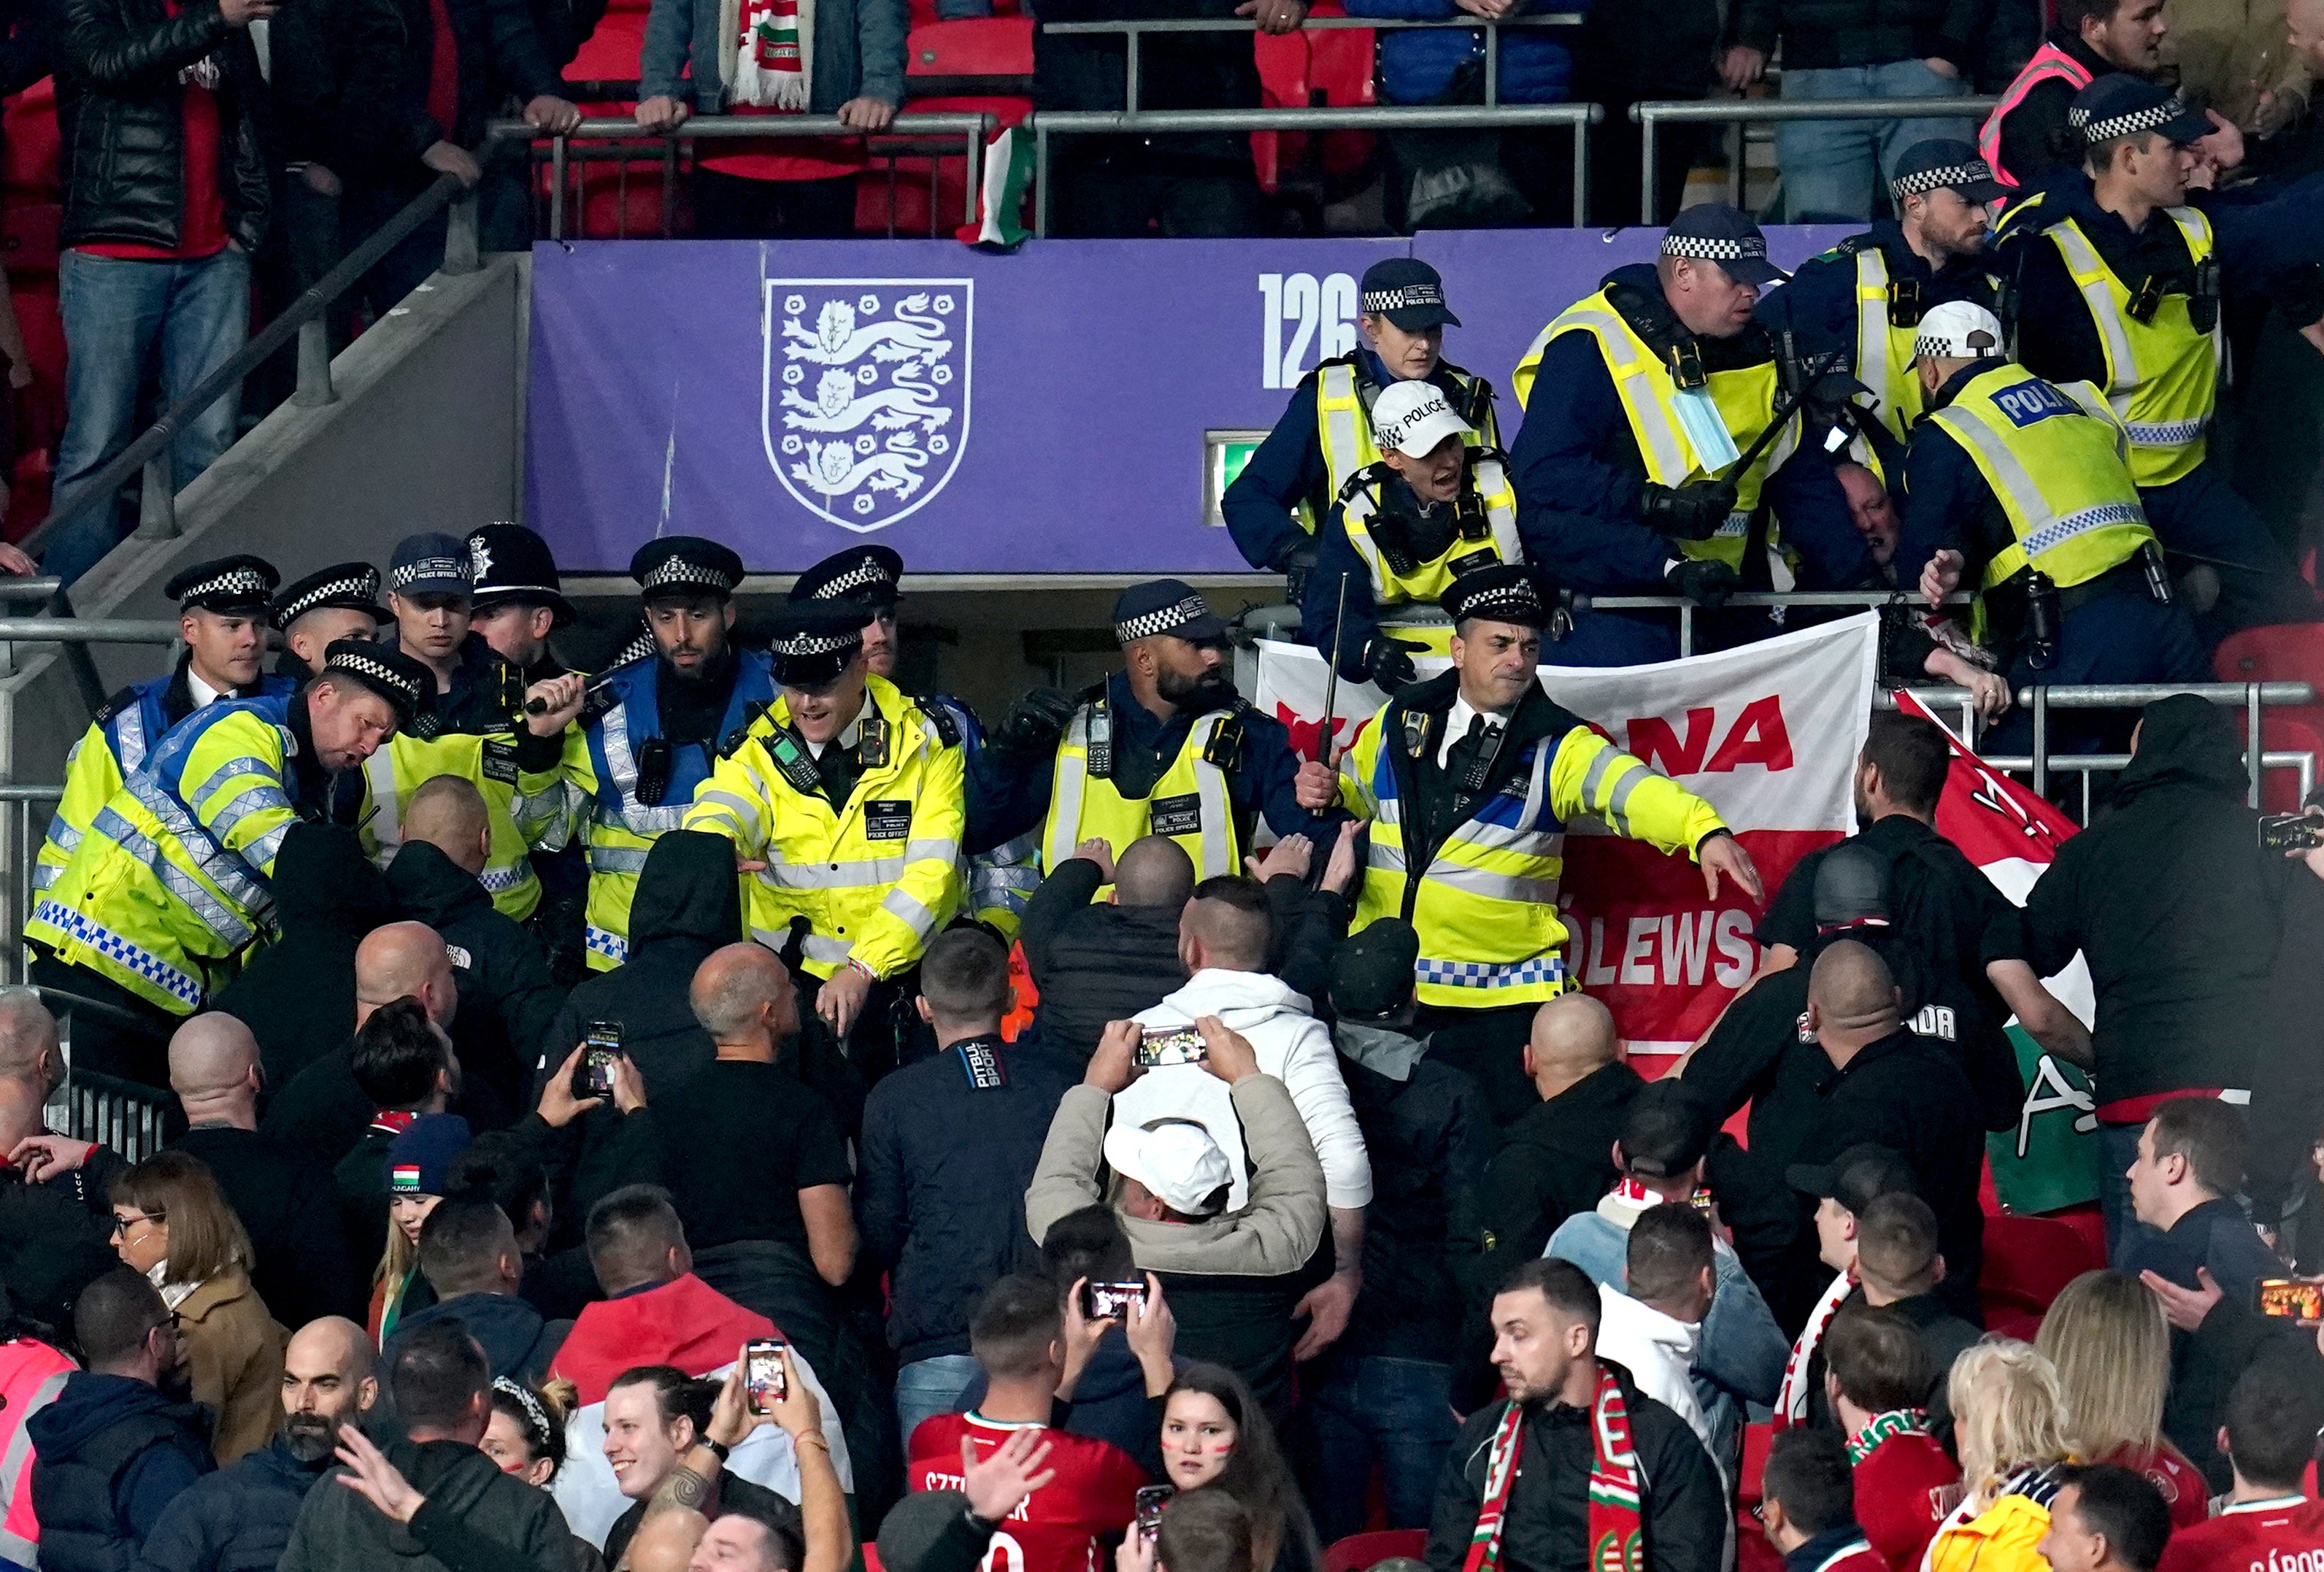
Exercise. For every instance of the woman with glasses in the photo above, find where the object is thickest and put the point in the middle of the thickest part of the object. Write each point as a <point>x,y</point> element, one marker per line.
<point>172,1222</point>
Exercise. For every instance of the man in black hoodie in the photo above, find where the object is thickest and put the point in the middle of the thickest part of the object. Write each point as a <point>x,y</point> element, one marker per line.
<point>115,1449</point>
<point>2178,910</point>
<point>508,1001</point>
<point>298,994</point>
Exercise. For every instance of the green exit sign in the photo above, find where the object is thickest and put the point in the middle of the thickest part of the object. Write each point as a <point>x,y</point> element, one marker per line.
<point>1224,453</point>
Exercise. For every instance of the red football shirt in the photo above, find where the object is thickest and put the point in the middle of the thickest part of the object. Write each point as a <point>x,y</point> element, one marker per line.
<point>2186,1492</point>
<point>2260,1536</point>
<point>1069,1524</point>
<point>1901,1497</point>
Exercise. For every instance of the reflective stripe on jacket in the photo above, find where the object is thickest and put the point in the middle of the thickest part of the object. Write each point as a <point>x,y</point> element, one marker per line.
<point>2162,374</point>
<point>2048,62</point>
<point>1343,423</point>
<point>1494,538</point>
<point>1189,801</point>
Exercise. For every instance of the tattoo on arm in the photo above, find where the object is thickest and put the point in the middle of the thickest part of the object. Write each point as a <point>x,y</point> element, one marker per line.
<point>685,1488</point>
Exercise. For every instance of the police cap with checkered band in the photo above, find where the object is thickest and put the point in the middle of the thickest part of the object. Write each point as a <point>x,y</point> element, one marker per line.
<point>814,641</point>
<point>1503,592</point>
<point>430,564</point>
<point>1958,330</point>
<point>352,586</point>
<point>511,564</point>
<point>863,576</point>
<point>231,585</point>
<point>408,686</point>
<point>1714,232</point>
<point>679,566</point>
<point>1945,163</point>
<point>1407,291</point>
<point>1166,606</point>
<point>2121,103</point>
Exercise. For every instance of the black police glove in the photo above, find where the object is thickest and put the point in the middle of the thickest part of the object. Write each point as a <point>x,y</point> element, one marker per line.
<point>1389,663</point>
<point>1694,511</point>
<point>1034,726</point>
<point>1296,561</point>
<point>1707,582</point>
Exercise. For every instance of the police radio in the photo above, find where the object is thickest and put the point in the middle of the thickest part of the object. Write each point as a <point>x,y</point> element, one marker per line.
<point>2044,618</point>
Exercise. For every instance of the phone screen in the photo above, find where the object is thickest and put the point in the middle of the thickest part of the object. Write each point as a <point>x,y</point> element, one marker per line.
<point>1151,1499</point>
<point>763,1375</point>
<point>1157,1049</point>
<point>601,1045</point>
<point>1111,1300</point>
<point>2292,1299</point>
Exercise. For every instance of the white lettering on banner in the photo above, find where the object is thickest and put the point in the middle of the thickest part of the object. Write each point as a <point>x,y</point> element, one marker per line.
<point>2051,1091</point>
<point>1672,950</point>
<point>1322,316</point>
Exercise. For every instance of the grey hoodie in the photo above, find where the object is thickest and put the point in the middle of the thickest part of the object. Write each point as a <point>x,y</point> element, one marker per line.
<point>475,1519</point>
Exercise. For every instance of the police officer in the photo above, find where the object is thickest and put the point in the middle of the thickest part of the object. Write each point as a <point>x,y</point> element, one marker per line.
<point>1163,746</point>
<point>339,602</point>
<point>1001,874</point>
<point>1434,508</point>
<point>846,802</point>
<point>222,618</point>
<point>1648,394</point>
<point>1858,305</point>
<point>516,602</point>
<point>653,733</point>
<point>1326,434</point>
<point>2120,283</point>
<point>1467,780</point>
<point>478,730</point>
<point>169,887</point>
<point>2023,489</point>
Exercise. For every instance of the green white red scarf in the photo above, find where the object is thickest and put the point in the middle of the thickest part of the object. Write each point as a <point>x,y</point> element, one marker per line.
<point>1897,1422</point>
<point>1616,1539</point>
<point>773,52</point>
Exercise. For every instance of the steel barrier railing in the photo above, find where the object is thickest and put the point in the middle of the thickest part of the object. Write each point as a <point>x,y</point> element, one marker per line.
<point>22,830</point>
<point>1654,113</point>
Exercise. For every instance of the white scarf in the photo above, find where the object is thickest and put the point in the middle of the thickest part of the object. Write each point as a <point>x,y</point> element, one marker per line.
<point>1792,1397</point>
<point>174,1294</point>
<point>767,57</point>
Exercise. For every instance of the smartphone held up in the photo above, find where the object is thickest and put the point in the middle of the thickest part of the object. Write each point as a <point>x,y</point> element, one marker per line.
<point>1175,1045</point>
<point>763,1381</point>
<point>1102,1302</point>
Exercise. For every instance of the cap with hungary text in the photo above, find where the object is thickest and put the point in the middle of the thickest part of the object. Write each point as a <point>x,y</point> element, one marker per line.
<point>408,686</point>
<point>230,584</point>
<point>1166,606</point>
<point>814,641</point>
<point>511,565</point>
<point>1504,592</point>
<point>1715,232</point>
<point>351,585</point>
<point>866,576</point>
<point>1407,291</point>
<point>685,564</point>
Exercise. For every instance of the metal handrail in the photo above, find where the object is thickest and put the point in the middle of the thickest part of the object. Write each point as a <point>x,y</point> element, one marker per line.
<point>972,128</point>
<point>1656,112</point>
<point>1580,117</point>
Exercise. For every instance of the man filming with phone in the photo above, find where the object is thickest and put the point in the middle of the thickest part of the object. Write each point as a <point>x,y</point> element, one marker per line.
<point>1233,1276</point>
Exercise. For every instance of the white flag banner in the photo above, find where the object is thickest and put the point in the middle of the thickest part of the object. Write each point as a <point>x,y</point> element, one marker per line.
<point>1767,734</point>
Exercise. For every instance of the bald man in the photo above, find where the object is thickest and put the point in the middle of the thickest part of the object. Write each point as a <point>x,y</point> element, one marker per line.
<point>749,1151</point>
<point>31,1063</point>
<point>507,999</point>
<point>242,1516</point>
<point>1556,1159</point>
<point>279,1189</point>
<point>1097,961</point>
<point>665,1542</point>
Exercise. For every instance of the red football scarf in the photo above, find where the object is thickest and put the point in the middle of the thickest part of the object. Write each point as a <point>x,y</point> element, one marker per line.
<point>1792,1396</point>
<point>1617,1542</point>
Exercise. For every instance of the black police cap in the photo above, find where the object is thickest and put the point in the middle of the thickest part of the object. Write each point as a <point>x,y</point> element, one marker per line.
<point>351,585</point>
<point>814,641</point>
<point>408,686</point>
<point>861,576</point>
<point>239,583</point>
<point>685,564</point>
<point>1504,592</point>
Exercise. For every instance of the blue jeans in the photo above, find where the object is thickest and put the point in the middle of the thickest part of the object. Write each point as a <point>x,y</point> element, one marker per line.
<point>122,318</point>
<point>1828,166</point>
<point>928,1387</point>
<point>1397,1412</point>
<point>2118,1149</point>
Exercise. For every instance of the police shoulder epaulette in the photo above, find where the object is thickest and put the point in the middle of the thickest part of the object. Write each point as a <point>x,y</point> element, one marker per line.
<point>1369,475</point>
<point>754,714</point>
<point>113,706</point>
<point>940,722</point>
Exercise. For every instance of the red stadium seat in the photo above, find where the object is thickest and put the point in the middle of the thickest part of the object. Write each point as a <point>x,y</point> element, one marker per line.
<point>1358,1551</point>
<point>2290,654</point>
<point>2028,1261</point>
<point>971,65</point>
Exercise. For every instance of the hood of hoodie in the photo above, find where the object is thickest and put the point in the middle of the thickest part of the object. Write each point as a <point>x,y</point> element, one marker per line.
<point>1638,1319</point>
<point>91,1403</point>
<point>433,889</point>
<point>2184,740</point>
<point>1241,999</point>
<point>687,890</point>
<point>322,879</point>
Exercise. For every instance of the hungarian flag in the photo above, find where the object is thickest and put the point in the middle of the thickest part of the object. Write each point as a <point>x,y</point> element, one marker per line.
<point>2049,1160</point>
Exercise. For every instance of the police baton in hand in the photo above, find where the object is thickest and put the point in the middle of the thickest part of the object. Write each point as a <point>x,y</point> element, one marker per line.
<point>1332,675</point>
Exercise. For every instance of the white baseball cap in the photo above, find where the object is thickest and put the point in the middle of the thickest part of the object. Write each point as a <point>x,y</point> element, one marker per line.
<point>1412,418</point>
<point>1958,330</point>
<point>1175,1158</point>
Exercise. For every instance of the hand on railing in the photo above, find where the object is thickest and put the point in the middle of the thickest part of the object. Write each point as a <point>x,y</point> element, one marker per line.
<point>661,113</point>
<point>11,559</point>
<point>1741,66</point>
<point>1275,15</point>
<point>447,157</point>
<point>867,114</point>
<point>552,114</point>
<point>1491,10</point>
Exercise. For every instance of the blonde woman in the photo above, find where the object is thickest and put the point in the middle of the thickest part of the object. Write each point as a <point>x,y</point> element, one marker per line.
<point>2106,1335</point>
<point>2009,1428</point>
<point>172,1222</point>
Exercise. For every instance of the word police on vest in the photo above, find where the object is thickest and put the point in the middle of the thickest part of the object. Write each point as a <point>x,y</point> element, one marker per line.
<point>1413,418</point>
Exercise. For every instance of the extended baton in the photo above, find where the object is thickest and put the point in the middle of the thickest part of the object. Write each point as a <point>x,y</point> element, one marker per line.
<point>1331,676</point>
<point>639,648</point>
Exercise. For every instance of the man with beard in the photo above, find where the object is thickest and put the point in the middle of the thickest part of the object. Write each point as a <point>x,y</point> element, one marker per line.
<point>480,730</point>
<point>331,603</point>
<point>1859,304</point>
<point>1577,1469</point>
<point>663,723</point>
<point>844,801</point>
<point>242,1516</point>
<point>1163,746</point>
<point>1002,871</point>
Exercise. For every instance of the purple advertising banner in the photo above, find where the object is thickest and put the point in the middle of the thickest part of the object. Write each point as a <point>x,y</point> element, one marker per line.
<point>1040,412</point>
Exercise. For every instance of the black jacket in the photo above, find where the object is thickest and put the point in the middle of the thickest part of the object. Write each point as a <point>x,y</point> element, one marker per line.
<point>1556,1161</point>
<point>298,994</point>
<point>474,1517</point>
<point>1093,963</point>
<point>324,1109</point>
<point>2176,909</point>
<point>121,119</point>
<point>949,1146</point>
<point>517,1342</point>
<point>1545,1527</point>
<point>237,1519</point>
<point>284,1198</point>
<point>500,54</point>
<point>508,1001</point>
<point>51,1246</point>
<point>333,64</point>
<point>109,1455</point>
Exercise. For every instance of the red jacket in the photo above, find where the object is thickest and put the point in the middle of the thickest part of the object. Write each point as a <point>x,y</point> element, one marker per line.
<point>2261,1536</point>
<point>1902,1490</point>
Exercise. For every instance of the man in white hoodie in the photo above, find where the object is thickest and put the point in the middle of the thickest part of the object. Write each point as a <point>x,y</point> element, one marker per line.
<point>1225,934</point>
<point>1653,1329</point>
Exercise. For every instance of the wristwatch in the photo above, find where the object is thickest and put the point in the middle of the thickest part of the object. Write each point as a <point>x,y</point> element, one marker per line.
<point>718,1449</point>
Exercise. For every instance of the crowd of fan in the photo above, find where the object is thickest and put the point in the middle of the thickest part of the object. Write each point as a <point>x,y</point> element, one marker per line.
<point>1320,1273</point>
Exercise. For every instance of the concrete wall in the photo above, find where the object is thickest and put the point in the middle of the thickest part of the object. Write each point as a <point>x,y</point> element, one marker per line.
<point>426,434</point>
